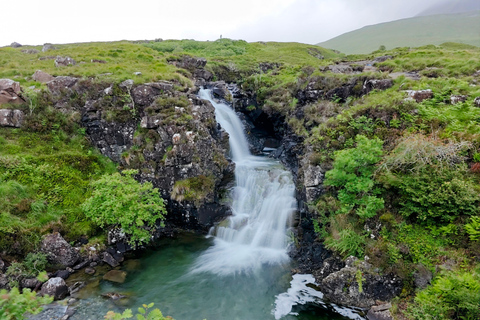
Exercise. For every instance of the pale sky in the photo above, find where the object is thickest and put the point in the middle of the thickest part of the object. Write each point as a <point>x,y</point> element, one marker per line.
<point>36,22</point>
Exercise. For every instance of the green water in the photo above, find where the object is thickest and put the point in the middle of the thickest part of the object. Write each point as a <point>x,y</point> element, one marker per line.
<point>164,276</point>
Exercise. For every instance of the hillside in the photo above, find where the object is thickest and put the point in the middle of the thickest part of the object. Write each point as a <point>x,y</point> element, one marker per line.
<point>451,6</point>
<point>412,32</point>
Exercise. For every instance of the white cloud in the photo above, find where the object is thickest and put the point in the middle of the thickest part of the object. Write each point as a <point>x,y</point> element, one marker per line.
<point>309,21</point>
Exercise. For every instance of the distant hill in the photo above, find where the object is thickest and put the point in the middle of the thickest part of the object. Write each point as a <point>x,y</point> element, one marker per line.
<point>451,6</point>
<point>411,32</point>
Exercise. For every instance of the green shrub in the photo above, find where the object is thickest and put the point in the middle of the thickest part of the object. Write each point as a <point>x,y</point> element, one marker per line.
<point>14,305</point>
<point>352,173</point>
<point>118,199</point>
<point>451,296</point>
<point>473,228</point>
<point>348,243</point>
<point>143,314</point>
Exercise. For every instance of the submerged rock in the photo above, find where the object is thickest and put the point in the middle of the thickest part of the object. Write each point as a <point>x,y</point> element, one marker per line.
<point>115,276</point>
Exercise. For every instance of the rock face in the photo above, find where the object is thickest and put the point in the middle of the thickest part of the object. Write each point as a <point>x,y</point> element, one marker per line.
<point>10,92</point>
<point>195,65</point>
<point>11,118</point>
<point>47,46</point>
<point>42,77</point>
<point>167,134</point>
<point>358,285</point>
<point>55,287</point>
<point>58,251</point>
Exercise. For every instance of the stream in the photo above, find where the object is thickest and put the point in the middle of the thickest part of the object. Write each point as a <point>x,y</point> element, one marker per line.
<point>240,271</point>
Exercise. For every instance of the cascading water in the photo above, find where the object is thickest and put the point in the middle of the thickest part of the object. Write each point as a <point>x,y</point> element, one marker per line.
<point>263,204</point>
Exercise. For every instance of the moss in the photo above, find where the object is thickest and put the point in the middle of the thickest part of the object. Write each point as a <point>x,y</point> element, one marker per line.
<point>194,189</point>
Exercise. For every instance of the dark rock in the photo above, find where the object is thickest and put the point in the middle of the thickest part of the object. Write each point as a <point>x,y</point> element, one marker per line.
<point>10,92</point>
<point>48,46</point>
<point>55,287</point>
<point>341,68</point>
<point>2,266</point>
<point>420,95</point>
<point>117,276</point>
<point>267,66</point>
<point>144,95</point>
<point>343,287</point>
<point>42,77</point>
<point>4,282</point>
<point>58,251</point>
<point>76,287</point>
<point>11,118</point>
<point>374,84</point>
<point>15,45</point>
<point>313,182</point>
<point>47,58</point>
<point>108,259</point>
<point>190,63</point>
<point>30,283</point>
<point>422,277</point>
<point>64,274</point>
<point>81,265</point>
<point>64,61</point>
<point>115,254</point>
<point>98,61</point>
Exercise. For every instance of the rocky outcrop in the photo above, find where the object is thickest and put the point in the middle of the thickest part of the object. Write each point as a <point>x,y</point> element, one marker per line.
<point>195,65</point>
<point>15,45</point>
<point>380,312</point>
<point>56,288</point>
<point>454,99</point>
<point>476,102</point>
<point>357,284</point>
<point>59,252</point>
<point>10,92</point>
<point>11,118</point>
<point>48,46</point>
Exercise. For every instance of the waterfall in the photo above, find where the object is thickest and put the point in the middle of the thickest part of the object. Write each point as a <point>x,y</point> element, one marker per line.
<point>263,204</point>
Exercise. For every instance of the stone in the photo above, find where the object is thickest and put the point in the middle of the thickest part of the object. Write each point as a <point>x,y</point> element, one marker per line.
<point>340,68</point>
<point>4,282</point>
<point>2,266</point>
<point>55,287</point>
<point>42,77</point>
<point>380,312</point>
<point>10,92</point>
<point>64,274</point>
<point>15,45</point>
<point>59,252</point>
<point>382,58</point>
<point>11,118</point>
<point>98,61</point>
<point>113,295</point>
<point>60,84</point>
<point>382,84</point>
<point>117,276</point>
<point>81,265</point>
<point>138,73</point>
<point>110,260</point>
<point>30,283</point>
<point>30,51</point>
<point>420,95</point>
<point>457,99</point>
<point>476,102</point>
<point>90,271</point>
<point>312,180</point>
<point>64,61</point>
<point>127,84</point>
<point>48,46</point>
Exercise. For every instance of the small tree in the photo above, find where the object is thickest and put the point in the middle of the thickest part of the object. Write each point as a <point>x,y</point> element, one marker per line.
<point>352,173</point>
<point>118,199</point>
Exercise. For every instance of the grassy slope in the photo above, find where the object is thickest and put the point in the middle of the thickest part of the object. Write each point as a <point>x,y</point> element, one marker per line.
<point>412,32</point>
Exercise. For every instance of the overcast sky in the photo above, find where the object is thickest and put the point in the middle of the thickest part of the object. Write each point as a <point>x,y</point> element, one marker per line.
<point>309,21</point>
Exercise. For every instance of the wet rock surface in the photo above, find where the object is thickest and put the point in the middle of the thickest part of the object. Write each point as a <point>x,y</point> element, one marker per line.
<point>59,252</point>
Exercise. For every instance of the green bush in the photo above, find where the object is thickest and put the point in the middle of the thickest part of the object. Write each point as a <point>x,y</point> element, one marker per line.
<point>473,228</point>
<point>118,199</point>
<point>451,296</point>
<point>143,314</point>
<point>14,305</point>
<point>349,243</point>
<point>352,173</point>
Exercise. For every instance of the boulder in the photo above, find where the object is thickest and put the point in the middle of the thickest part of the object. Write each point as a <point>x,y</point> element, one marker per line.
<point>422,277</point>
<point>64,61</point>
<point>30,283</point>
<point>60,84</point>
<point>457,99</point>
<point>145,94</point>
<point>476,102</point>
<point>15,45</point>
<point>117,276</point>
<point>374,84</point>
<point>11,118</point>
<point>58,251</point>
<point>110,260</point>
<point>64,274</point>
<point>2,266</point>
<point>48,46</point>
<point>55,287</point>
<point>10,92</point>
<point>42,77</point>
<point>382,58</point>
<point>419,95</point>
<point>340,68</point>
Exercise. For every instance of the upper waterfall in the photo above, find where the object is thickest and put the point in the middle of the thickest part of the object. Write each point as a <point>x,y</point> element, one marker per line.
<point>263,204</point>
